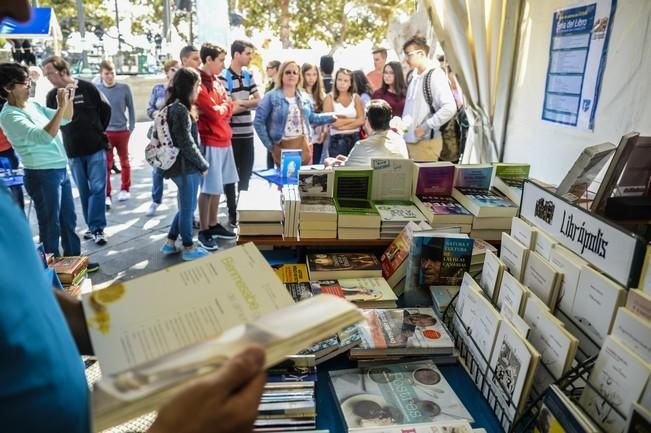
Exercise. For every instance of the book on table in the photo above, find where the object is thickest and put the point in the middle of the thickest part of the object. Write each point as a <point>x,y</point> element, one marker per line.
<point>352,194</point>
<point>402,331</point>
<point>315,181</point>
<point>558,414</point>
<point>584,170</point>
<point>392,179</point>
<point>509,179</point>
<point>485,202</point>
<point>332,266</point>
<point>394,258</point>
<point>190,318</point>
<point>260,204</point>
<point>372,292</point>
<point>395,395</point>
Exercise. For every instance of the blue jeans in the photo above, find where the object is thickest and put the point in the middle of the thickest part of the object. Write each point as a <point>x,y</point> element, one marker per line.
<point>342,144</point>
<point>55,210</point>
<point>156,186</point>
<point>17,190</point>
<point>186,198</point>
<point>89,173</point>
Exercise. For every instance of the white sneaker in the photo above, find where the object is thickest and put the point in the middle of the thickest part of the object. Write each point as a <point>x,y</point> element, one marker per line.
<point>152,209</point>
<point>108,203</point>
<point>124,195</point>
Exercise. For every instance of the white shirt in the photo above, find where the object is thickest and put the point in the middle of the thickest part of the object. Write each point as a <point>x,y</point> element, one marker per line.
<point>381,144</point>
<point>293,127</point>
<point>416,109</point>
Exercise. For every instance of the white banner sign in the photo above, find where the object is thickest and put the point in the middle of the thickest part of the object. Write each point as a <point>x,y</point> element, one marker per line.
<point>608,248</point>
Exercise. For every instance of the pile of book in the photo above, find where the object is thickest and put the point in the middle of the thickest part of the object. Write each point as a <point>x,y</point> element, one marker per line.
<point>291,201</point>
<point>509,179</point>
<point>260,210</point>
<point>492,211</point>
<point>288,400</point>
<point>317,215</point>
<point>357,217</point>
<point>71,272</point>
<point>395,215</point>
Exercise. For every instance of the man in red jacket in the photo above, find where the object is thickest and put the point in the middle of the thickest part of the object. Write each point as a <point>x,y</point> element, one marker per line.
<point>215,109</point>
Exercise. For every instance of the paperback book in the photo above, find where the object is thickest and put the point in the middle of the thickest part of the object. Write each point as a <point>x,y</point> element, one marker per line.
<point>363,292</point>
<point>394,258</point>
<point>314,182</point>
<point>333,266</point>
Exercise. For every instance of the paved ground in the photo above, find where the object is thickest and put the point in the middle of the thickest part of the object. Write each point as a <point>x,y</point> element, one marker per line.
<point>133,238</point>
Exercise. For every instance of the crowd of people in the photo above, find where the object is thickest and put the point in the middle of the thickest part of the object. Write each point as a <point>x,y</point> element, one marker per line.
<point>43,330</point>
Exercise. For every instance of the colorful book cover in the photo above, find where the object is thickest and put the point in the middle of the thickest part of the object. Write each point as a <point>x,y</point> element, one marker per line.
<point>290,164</point>
<point>402,328</point>
<point>396,254</point>
<point>512,171</point>
<point>402,211</point>
<point>444,205</point>
<point>556,416</point>
<point>395,394</point>
<point>435,181</point>
<point>356,290</point>
<point>336,262</point>
<point>473,176</point>
<point>486,197</point>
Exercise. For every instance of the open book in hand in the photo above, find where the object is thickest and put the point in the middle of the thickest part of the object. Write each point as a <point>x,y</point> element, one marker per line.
<point>121,396</point>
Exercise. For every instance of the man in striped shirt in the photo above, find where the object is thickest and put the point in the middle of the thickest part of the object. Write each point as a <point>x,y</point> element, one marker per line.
<point>242,88</point>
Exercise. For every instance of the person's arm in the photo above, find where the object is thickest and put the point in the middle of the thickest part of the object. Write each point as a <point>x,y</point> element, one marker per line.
<point>151,105</point>
<point>441,97</point>
<point>74,314</point>
<point>132,109</point>
<point>19,127</point>
<point>225,401</point>
<point>355,123</point>
<point>260,121</point>
<point>181,132</point>
<point>212,111</point>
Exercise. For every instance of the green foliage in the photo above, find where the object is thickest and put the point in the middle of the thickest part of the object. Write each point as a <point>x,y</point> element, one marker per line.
<point>95,11</point>
<point>335,22</point>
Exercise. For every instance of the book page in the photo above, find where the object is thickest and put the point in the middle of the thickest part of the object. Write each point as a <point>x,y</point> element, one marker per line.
<point>392,178</point>
<point>142,319</point>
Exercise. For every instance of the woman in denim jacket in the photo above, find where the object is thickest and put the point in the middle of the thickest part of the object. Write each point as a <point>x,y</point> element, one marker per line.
<point>278,116</point>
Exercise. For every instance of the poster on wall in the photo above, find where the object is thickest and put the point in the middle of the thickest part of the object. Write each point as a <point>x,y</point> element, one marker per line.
<point>577,59</point>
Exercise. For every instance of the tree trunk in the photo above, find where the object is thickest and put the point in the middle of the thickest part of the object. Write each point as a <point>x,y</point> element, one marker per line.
<point>284,24</point>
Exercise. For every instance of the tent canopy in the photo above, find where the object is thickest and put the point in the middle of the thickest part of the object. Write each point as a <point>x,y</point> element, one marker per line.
<point>43,24</point>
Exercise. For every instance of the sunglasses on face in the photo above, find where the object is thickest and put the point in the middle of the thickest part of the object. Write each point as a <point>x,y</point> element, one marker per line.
<point>291,72</point>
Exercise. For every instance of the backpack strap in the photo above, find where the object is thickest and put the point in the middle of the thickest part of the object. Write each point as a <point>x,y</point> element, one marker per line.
<point>229,81</point>
<point>427,90</point>
<point>247,77</point>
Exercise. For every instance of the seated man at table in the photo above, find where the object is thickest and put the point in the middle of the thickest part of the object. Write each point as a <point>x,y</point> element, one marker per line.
<point>382,141</point>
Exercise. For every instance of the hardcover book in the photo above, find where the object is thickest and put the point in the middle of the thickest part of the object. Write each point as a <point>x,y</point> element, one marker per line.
<point>435,260</point>
<point>363,292</point>
<point>395,395</point>
<point>402,331</point>
<point>332,266</point>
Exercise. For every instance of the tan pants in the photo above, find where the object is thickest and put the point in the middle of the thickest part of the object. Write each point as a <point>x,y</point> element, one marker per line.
<point>425,150</point>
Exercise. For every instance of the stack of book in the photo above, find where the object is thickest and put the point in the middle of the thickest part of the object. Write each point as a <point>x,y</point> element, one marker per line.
<point>291,208</point>
<point>403,333</point>
<point>372,292</point>
<point>492,211</point>
<point>391,195</point>
<point>479,249</point>
<point>260,210</point>
<point>333,266</point>
<point>357,217</point>
<point>509,178</point>
<point>71,272</point>
<point>432,194</point>
<point>288,401</point>
<point>394,258</point>
<point>317,215</point>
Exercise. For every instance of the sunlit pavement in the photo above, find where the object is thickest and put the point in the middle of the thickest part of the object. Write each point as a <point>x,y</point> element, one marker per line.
<point>134,239</point>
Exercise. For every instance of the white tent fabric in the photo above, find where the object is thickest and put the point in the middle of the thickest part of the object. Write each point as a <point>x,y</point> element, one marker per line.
<point>478,37</point>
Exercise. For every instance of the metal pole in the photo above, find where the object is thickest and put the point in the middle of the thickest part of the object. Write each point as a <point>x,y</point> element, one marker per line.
<point>166,22</point>
<point>82,18</point>
<point>191,29</point>
<point>117,25</point>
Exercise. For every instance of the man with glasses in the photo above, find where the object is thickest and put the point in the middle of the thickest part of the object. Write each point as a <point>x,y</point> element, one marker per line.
<point>85,143</point>
<point>429,105</point>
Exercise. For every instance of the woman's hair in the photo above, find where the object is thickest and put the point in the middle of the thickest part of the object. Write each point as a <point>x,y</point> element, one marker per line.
<point>352,89</point>
<point>399,83</point>
<point>317,91</point>
<point>169,64</point>
<point>361,83</point>
<point>182,86</point>
<point>281,73</point>
<point>10,74</point>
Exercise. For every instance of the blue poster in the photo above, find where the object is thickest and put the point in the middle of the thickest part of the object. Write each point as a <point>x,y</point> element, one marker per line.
<point>577,58</point>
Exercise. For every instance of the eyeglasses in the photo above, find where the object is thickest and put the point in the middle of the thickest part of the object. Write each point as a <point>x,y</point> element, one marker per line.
<point>291,72</point>
<point>26,83</point>
<point>411,53</point>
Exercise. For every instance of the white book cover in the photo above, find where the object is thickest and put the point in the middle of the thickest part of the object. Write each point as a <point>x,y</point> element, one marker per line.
<point>542,278</point>
<point>392,178</point>
<point>570,265</point>
<point>514,319</point>
<point>557,348</point>
<point>523,232</point>
<point>315,182</point>
<point>435,427</point>
<point>512,293</point>
<point>544,244</point>
<point>513,362</point>
<point>394,211</point>
<point>620,376</point>
<point>143,319</point>
<point>468,285</point>
<point>634,332</point>
<point>491,275</point>
<point>639,302</point>
<point>534,310</point>
<point>645,275</point>
<point>514,255</point>
<point>482,322</point>
<point>599,298</point>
